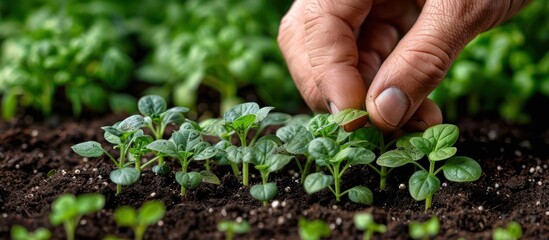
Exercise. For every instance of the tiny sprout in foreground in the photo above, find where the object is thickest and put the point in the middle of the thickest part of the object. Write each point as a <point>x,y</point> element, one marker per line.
<point>19,232</point>
<point>68,209</point>
<point>150,213</point>
<point>313,229</point>
<point>230,228</point>
<point>513,231</point>
<point>424,230</point>
<point>366,223</point>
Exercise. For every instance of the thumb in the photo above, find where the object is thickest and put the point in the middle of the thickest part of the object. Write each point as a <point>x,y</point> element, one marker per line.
<point>420,61</point>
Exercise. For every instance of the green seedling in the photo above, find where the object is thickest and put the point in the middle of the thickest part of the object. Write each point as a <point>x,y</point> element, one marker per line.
<point>296,138</point>
<point>157,117</point>
<point>424,230</point>
<point>68,209</point>
<point>150,213</point>
<point>126,136</point>
<point>241,119</point>
<point>313,230</point>
<point>19,232</point>
<point>437,144</point>
<point>513,231</point>
<point>366,223</point>
<point>265,158</point>
<point>187,145</point>
<point>337,159</point>
<point>230,228</point>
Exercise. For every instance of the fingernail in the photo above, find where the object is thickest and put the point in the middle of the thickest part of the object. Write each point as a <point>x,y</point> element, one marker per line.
<point>392,104</point>
<point>332,107</point>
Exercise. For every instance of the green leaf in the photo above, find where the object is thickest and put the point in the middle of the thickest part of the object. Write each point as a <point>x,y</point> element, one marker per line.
<point>249,108</point>
<point>442,153</point>
<point>445,135</point>
<point>369,134</point>
<point>186,139</point>
<point>89,203</point>
<point>164,146</point>
<point>323,148</point>
<point>88,149</point>
<point>161,169</point>
<point>125,176</point>
<point>422,184</point>
<point>172,117</point>
<point>151,212</point>
<point>125,216</point>
<point>404,141</point>
<point>234,154</point>
<point>151,105</point>
<point>232,226</point>
<point>363,220</point>
<point>262,113</point>
<point>19,232</point>
<point>299,144</point>
<point>461,169</point>
<point>361,194</point>
<point>253,156</point>
<point>313,230</point>
<point>266,147</point>
<point>264,192</point>
<point>320,125</point>
<point>131,123</point>
<point>278,161</point>
<point>64,208</point>
<point>394,158</point>
<point>287,133</point>
<point>244,122</point>
<point>275,118</point>
<point>190,180</point>
<point>213,127</point>
<point>315,182</point>
<point>113,130</point>
<point>206,153</point>
<point>209,177</point>
<point>422,144</point>
<point>355,156</point>
<point>346,116</point>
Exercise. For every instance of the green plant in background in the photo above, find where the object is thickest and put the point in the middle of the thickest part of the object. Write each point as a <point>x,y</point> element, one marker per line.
<point>68,209</point>
<point>366,223</point>
<point>424,230</point>
<point>19,232</point>
<point>126,136</point>
<point>313,229</point>
<point>513,231</point>
<point>149,213</point>
<point>230,228</point>
<point>437,144</point>
<point>57,51</point>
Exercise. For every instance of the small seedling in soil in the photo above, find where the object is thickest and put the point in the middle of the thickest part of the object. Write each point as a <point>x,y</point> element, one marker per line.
<point>19,232</point>
<point>126,136</point>
<point>263,155</point>
<point>366,223</point>
<point>424,230</point>
<point>150,213</point>
<point>313,230</point>
<point>513,231</point>
<point>230,228</point>
<point>69,209</point>
<point>157,117</point>
<point>187,145</point>
<point>437,144</point>
<point>337,159</point>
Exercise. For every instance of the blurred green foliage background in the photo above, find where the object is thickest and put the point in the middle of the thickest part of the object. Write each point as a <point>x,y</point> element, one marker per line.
<point>102,55</point>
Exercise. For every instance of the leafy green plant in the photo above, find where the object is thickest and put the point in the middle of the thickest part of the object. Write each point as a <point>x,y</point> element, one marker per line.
<point>186,145</point>
<point>437,144</point>
<point>126,136</point>
<point>313,230</point>
<point>366,223</point>
<point>230,228</point>
<point>68,209</point>
<point>337,159</point>
<point>266,159</point>
<point>149,213</point>
<point>19,232</point>
<point>424,230</point>
<point>513,231</point>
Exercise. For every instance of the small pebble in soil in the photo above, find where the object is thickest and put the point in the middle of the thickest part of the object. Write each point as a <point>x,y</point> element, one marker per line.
<point>496,185</point>
<point>1,155</point>
<point>289,215</point>
<point>153,194</point>
<point>63,172</point>
<point>252,212</point>
<point>532,170</point>
<point>332,226</point>
<point>499,168</point>
<point>4,215</point>
<point>238,219</point>
<point>34,133</point>
<point>210,210</point>
<point>444,184</point>
<point>223,212</point>
<point>544,165</point>
<point>85,159</point>
<point>540,183</point>
<point>24,146</point>
<point>40,154</point>
<point>160,223</point>
<point>100,177</point>
<point>280,220</point>
<point>334,206</point>
<point>287,189</point>
<point>35,171</point>
<point>17,166</point>
<point>480,208</point>
<point>275,204</point>
<point>518,153</point>
<point>105,183</point>
<point>94,169</point>
<point>77,171</point>
<point>546,213</point>
<point>283,204</point>
<point>260,225</point>
<point>338,221</point>
<point>402,186</point>
<point>538,203</point>
<point>83,222</point>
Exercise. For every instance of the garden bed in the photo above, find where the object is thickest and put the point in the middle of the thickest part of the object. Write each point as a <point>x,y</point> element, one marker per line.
<point>514,186</point>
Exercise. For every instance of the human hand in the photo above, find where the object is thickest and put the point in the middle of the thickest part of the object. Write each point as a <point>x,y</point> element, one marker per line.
<point>384,56</point>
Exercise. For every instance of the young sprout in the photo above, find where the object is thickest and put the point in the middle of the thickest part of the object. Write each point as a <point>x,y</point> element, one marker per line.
<point>126,136</point>
<point>424,230</point>
<point>69,209</point>
<point>241,119</point>
<point>150,213</point>
<point>296,138</point>
<point>187,145</point>
<point>265,158</point>
<point>230,228</point>
<point>157,117</point>
<point>313,230</point>
<point>337,159</point>
<point>513,231</point>
<point>366,223</point>
<point>437,144</point>
<point>19,232</point>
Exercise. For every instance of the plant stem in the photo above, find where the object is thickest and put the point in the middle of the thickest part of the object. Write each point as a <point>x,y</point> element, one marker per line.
<point>428,202</point>
<point>70,228</point>
<point>149,163</point>
<point>229,235</point>
<point>337,182</point>
<point>306,169</point>
<point>368,235</point>
<point>118,189</point>
<point>139,232</point>
<point>245,167</point>
<point>207,165</point>
<point>236,172</point>
<point>383,178</point>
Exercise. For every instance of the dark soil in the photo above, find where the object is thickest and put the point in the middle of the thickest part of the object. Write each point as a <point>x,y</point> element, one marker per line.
<point>513,187</point>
